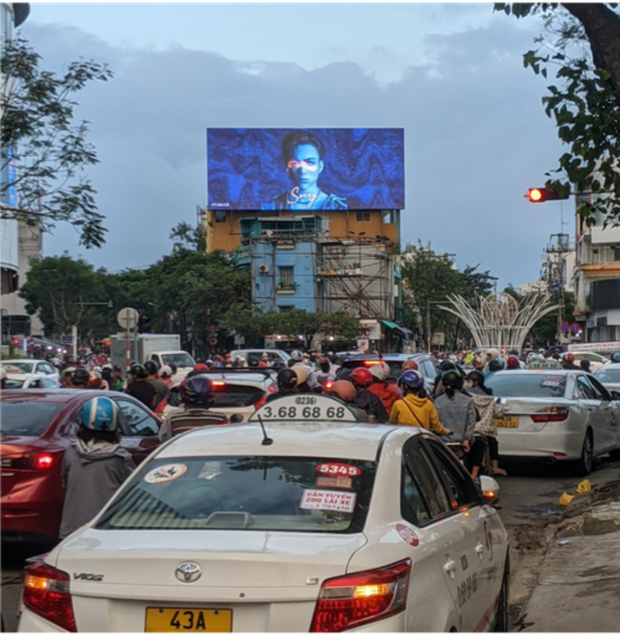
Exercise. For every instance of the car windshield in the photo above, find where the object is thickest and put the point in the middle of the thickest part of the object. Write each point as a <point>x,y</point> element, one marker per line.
<point>180,360</point>
<point>245,492</point>
<point>344,372</point>
<point>27,418</point>
<point>12,383</point>
<point>611,375</point>
<point>541,385</point>
<point>18,368</point>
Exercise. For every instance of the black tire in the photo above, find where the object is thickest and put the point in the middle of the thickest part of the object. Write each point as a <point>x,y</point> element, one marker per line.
<point>585,465</point>
<point>502,623</point>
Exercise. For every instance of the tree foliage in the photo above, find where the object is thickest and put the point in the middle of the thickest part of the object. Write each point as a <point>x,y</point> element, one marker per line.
<point>428,279</point>
<point>58,288</point>
<point>585,103</point>
<point>43,148</point>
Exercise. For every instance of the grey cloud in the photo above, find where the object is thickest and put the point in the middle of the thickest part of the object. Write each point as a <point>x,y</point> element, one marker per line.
<point>476,136</point>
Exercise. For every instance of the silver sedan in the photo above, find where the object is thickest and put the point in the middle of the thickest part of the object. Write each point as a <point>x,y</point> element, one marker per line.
<point>556,415</point>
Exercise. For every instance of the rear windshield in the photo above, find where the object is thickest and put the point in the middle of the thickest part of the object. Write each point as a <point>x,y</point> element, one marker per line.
<point>18,368</point>
<point>254,493</point>
<point>180,360</point>
<point>541,385</point>
<point>227,395</point>
<point>12,383</point>
<point>608,375</point>
<point>344,372</point>
<point>27,418</point>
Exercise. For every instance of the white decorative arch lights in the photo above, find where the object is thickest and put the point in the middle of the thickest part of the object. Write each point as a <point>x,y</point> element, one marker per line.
<point>500,320</point>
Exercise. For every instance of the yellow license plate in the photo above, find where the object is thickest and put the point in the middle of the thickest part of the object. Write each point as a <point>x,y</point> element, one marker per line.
<point>506,421</point>
<point>187,620</point>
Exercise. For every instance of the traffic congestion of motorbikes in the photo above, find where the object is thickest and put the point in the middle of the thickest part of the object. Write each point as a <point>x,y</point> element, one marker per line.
<point>108,448</point>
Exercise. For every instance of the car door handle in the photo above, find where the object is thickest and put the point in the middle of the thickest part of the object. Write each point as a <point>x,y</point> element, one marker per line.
<point>479,549</point>
<point>450,568</point>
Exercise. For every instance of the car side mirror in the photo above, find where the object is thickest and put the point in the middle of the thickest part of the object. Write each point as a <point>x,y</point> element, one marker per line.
<point>236,419</point>
<point>489,488</point>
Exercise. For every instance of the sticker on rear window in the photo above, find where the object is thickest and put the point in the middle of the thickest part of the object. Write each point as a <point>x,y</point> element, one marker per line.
<point>210,470</point>
<point>166,473</point>
<point>550,384</point>
<point>338,469</point>
<point>326,500</point>
<point>342,482</point>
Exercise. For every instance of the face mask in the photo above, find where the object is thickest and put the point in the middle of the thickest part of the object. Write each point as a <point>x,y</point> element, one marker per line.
<point>468,384</point>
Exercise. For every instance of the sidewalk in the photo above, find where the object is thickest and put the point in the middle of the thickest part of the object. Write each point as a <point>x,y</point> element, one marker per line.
<point>579,582</point>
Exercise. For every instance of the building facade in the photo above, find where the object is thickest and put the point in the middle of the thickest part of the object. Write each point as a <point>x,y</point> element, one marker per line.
<point>20,242</point>
<point>597,278</point>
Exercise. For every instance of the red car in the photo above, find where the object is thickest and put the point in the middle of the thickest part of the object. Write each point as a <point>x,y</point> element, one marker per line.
<point>37,427</point>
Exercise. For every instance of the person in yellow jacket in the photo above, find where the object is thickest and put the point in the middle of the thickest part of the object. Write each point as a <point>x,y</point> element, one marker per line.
<point>416,409</point>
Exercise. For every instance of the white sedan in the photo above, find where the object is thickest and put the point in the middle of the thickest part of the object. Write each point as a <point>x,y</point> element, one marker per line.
<point>30,381</point>
<point>306,522</point>
<point>556,415</point>
<point>30,366</point>
<point>609,376</point>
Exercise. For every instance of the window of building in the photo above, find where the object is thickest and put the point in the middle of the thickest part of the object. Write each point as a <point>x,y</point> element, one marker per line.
<point>287,276</point>
<point>363,216</point>
<point>220,216</point>
<point>285,308</point>
<point>616,254</point>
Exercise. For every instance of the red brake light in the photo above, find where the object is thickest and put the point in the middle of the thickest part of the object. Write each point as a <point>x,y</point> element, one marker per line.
<point>260,402</point>
<point>550,415</point>
<point>371,363</point>
<point>351,600</point>
<point>46,593</point>
<point>43,461</point>
<point>329,385</point>
<point>218,383</point>
<point>272,389</point>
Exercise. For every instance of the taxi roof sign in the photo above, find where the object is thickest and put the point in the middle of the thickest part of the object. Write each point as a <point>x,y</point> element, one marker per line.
<point>306,407</point>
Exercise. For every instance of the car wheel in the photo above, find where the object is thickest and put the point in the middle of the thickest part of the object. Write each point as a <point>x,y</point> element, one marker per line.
<point>586,462</point>
<point>501,618</point>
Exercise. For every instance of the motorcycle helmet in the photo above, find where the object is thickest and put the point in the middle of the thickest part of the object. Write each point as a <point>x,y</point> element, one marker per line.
<point>80,376</point>
<point>296,355</point>
<point>302,374</point>
<point>452,378</point>
<point>287,378</point>
<point>569,357</point>
<point>137,371</point>
<point>253,361</point>
<point>278,364</point>
<point>411,378</point>
<point>476,376</point>
<point>380,371</point>
<point>151,368</point>
<point>343,390</point>
<point>616,357</point>
<point>496,365</point>
<point>325,365</point>
<point>512,363</point>
<point>447,365</point>
<point>196,390</point>
<point>361,376</point>
<point>100,414</point>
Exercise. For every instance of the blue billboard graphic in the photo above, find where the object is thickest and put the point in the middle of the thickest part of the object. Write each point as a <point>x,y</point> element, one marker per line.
<point>305,169</point>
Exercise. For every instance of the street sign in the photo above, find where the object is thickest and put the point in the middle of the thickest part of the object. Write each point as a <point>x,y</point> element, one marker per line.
<point>564,327</point>
<point>575,328</point>
<point>128,317</point>
<point>239,340</point>
<point>363,344</point>
<point>66,339</point>
<point>212,329</point>
<point>213,340</point>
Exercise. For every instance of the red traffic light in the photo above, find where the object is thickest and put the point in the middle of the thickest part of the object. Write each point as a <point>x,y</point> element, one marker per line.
<point>541,194</point>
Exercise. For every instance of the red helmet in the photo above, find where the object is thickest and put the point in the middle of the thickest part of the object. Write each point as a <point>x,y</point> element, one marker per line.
<point>361,376</point>
<point>512,363</point>
<point>343,390</point>
<point>570,357</point>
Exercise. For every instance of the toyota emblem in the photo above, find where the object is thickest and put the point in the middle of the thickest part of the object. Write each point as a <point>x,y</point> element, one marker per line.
<point>188,572</point>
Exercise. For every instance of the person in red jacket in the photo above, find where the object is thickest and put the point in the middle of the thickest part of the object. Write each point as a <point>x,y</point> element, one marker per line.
<point>386,392</point>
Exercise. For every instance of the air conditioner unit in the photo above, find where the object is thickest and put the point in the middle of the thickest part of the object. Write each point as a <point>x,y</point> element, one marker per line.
<point>263,269</point>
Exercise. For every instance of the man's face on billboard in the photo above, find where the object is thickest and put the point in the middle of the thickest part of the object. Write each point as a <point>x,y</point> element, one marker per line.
<point>305,167</point>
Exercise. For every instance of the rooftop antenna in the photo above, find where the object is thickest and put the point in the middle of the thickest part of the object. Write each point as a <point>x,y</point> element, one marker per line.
<point>266,440</point>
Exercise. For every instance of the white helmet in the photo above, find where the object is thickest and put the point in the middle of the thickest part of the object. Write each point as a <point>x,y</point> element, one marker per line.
<point>380,370</point>
<point>296,355</point>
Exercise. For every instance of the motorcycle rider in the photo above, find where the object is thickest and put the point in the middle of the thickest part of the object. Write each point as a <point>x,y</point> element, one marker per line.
<point>362,379</point>
<point>416,408</point>
<point>287,383</point>
<point>197,397</point>
<point>297,359</point>
<point>459,412</point>
<point>488,410</point>
<point>385,391</point>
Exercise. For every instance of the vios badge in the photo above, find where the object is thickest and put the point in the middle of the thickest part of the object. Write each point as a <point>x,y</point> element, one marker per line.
<point>188,572</point>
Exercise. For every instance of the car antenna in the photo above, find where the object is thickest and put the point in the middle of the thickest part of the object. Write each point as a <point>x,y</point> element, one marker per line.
<point>266,440</point>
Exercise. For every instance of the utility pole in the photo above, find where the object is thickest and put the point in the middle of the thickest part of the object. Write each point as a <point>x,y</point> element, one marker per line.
<point>557,250</point>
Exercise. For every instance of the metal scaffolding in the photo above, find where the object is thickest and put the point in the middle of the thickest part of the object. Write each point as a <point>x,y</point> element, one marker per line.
<point>356,277</point>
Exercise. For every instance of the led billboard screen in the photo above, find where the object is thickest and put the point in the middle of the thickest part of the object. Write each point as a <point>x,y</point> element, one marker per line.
<point>305,169</point>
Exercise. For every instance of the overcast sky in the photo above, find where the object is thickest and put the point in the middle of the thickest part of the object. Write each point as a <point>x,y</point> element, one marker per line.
<point>451,75</point>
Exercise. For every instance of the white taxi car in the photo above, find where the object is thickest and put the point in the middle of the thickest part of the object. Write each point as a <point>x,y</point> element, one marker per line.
<point>302,520</point>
